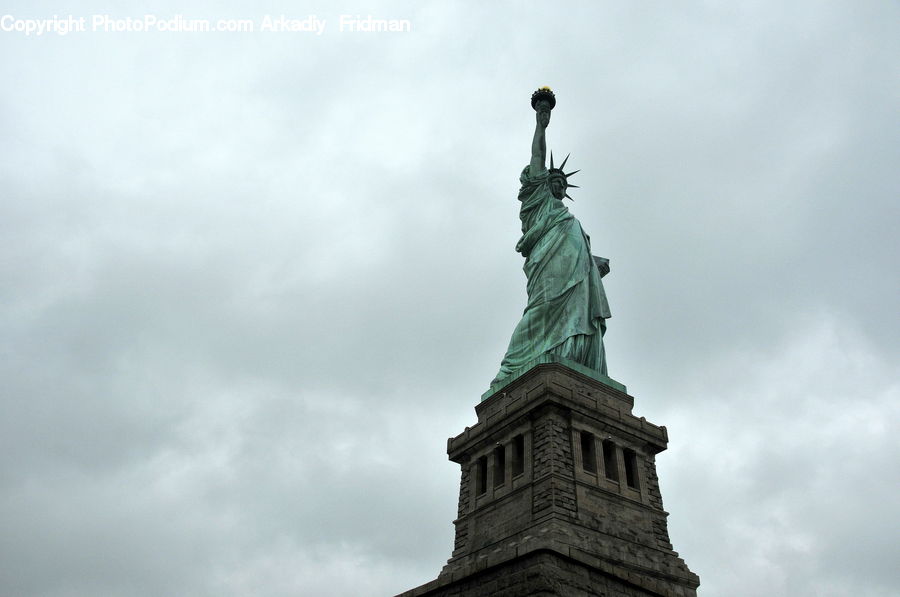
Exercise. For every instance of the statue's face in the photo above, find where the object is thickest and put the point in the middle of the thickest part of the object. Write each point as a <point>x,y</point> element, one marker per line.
<point>558,186</point>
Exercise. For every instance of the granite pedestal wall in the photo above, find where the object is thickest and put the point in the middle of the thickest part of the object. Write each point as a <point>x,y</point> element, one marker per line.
<point>559,495</point>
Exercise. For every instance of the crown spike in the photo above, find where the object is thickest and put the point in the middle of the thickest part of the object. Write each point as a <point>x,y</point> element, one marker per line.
<point>572,186</point>
<point>570,199</point>
<point>563,165</point>
<point>570,173</point>
<point>551,160</point>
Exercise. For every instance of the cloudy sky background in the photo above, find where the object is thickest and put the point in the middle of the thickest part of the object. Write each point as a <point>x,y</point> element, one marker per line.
<point>250,283</point>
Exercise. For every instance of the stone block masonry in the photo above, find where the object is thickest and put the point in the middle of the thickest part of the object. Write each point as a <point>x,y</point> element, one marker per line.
<point>559,495</point>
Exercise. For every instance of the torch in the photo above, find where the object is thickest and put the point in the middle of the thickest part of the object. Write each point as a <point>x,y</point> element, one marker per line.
<point>543,94</point>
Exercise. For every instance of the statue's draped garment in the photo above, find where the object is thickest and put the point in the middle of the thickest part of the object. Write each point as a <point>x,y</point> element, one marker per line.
<point>567,308</point>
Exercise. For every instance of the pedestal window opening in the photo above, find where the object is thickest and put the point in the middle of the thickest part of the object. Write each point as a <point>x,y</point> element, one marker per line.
<point>481,476</point>
<point>631,475</point>
<point>499,465</point>
<point>610,463</point>
<point>518,462</point>
<point>588,453</point>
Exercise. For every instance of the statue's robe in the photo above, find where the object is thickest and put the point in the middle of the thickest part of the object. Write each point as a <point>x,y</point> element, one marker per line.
<point>567,306</point>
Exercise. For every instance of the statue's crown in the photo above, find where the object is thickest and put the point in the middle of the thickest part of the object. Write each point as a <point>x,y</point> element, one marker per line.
<point>558,172</point>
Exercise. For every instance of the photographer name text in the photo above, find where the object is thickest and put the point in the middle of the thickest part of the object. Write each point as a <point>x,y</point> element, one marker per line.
<point>105,23</point>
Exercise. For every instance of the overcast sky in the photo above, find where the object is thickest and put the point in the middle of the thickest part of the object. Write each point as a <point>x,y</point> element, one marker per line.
<point>251,282</point>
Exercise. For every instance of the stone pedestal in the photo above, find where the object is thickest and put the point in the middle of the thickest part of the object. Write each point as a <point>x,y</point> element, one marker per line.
<point>559,495</point>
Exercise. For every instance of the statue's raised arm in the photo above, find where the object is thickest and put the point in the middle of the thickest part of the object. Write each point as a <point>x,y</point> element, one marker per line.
<point>543,102</point>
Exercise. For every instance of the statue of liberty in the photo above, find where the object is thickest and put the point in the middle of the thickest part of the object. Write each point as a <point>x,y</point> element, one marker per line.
<point>567,308</point>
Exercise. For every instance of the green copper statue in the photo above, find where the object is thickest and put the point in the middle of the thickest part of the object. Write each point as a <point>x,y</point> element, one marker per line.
<point>567,308</point>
